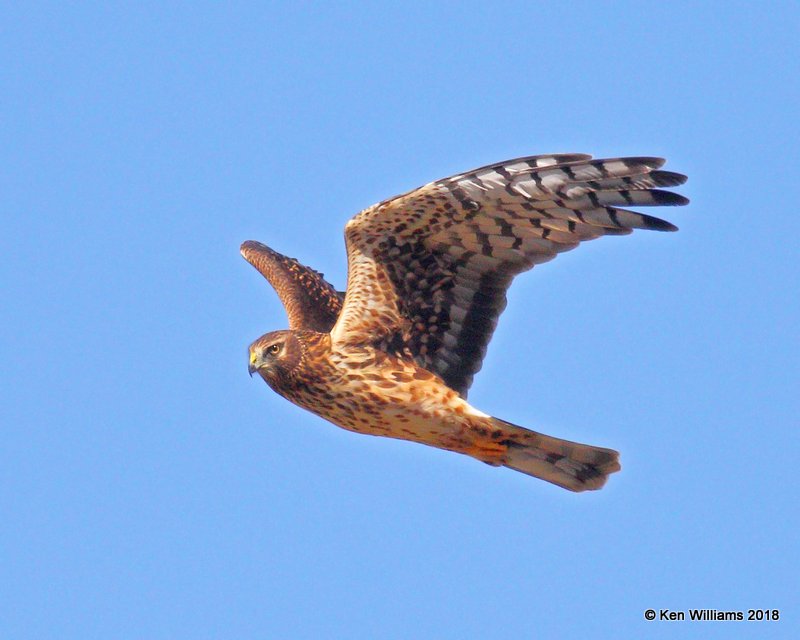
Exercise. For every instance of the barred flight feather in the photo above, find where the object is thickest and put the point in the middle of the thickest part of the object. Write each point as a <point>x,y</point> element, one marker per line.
<point>471,234</point>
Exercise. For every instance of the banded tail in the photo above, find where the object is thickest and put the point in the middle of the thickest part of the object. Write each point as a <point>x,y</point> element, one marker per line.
<point>574,466</point>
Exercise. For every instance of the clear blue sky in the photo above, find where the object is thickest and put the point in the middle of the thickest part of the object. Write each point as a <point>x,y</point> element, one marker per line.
<point>150,489</point>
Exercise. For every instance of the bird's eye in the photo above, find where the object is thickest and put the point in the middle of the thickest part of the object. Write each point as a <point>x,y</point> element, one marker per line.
<point>273,349</point>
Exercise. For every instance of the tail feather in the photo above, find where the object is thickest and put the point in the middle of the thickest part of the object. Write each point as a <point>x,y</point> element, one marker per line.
<point>574,466</point>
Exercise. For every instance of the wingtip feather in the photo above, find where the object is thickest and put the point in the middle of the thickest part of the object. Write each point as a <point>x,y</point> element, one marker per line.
<point>657,224</point>
<point>652,162</point>
<point>250,245</point>
<point>668,198</point>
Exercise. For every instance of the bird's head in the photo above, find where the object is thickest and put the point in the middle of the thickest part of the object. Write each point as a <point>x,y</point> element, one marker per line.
<point>275,355</point>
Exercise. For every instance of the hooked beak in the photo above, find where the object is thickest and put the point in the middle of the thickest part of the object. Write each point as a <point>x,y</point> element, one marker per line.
<point>252,368</point>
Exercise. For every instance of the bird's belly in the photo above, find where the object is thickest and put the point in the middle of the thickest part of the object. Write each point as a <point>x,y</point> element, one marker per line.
<point>398,400</point>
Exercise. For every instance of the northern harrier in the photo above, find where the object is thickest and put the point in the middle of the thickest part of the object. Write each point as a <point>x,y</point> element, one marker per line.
<point>427,278</point>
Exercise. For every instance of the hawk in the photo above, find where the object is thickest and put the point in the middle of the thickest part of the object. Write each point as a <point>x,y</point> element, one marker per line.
<point>427,277</point>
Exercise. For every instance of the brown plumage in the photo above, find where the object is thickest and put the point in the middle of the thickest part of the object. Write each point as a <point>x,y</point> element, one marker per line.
<point>311,303</point>
<point>427,276</point>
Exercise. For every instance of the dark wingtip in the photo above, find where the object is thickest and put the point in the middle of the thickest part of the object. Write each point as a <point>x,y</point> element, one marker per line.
<point>668,178</point>
<point>254,251</point>
<point>251,245</point>
<point>668,198</point>
<point>247,246</point>
<point>652,223</point>
<point>651,162</point>
<point>657,224</point>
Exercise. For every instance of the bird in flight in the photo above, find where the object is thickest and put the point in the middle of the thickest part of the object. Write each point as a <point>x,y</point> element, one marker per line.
<point>428,271</point>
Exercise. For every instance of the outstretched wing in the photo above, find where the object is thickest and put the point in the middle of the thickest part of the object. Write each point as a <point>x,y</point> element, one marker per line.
<point>432,266</point>
<point>310,301</point>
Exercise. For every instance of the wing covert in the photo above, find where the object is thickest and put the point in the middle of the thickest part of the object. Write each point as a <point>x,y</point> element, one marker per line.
<point>430,269</point>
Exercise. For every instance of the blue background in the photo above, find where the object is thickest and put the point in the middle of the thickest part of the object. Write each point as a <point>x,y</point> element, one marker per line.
<point>150,489</point>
